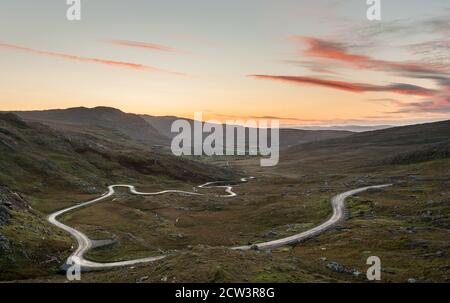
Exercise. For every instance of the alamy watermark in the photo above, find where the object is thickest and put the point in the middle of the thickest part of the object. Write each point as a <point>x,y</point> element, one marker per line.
<point>235,137</point>
<point>74,11</point>
<point>374,10</point>
<point>374,271</point>
<point>73,272</point>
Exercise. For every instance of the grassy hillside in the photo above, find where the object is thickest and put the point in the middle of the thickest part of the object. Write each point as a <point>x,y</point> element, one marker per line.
<point>131,125</point>
<point>29,246</point>
<point>406,225</point>
<point>43,169</point>
<point>407,144</point>
<point>38,159</point>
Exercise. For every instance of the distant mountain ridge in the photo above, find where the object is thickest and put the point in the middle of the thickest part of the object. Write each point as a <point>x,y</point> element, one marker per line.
<point>147,129</point>
<point>156,130</point>
<point>131,125</point>
<point>351,128</point>
<point>288,136</point>
<point>398,145</point>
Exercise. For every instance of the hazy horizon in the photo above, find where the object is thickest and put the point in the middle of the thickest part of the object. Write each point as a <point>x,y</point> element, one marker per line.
<point>350,126</point>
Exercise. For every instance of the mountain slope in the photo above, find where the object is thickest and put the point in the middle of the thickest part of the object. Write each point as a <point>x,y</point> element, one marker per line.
<point>36,157</point>
<point>54,169</point>
<point>146,129</point>
<point>29,246</point>
<point>406,144</point>
<point>130,125</point>
<point>287,138</point>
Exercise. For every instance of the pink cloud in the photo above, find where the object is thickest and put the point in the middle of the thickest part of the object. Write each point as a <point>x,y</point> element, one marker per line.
<point>324,57</point>
<point>113,63</point>
<point>399,88</point>
<point>321,49</point>
<point>144,45</point>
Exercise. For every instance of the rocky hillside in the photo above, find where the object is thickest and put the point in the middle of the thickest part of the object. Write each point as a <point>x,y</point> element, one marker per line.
<point>10,201</point>
<point>36,157</point>
<point>55,168</point>
<point>29,246</point>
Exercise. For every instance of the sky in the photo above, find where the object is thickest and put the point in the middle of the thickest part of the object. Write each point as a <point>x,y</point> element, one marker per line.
<point>303,62</point>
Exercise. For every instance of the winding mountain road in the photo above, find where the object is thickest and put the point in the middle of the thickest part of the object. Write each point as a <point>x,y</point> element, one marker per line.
<point>84,243</point>
<point>338,204</point>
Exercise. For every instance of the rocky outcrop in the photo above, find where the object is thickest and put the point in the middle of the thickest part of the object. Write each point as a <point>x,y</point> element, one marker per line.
<point>29,246</point>
<point>10,201</point>
<point>4,243</point>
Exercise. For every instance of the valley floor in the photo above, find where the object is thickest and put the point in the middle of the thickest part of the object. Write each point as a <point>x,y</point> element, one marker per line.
<point>406,225</point>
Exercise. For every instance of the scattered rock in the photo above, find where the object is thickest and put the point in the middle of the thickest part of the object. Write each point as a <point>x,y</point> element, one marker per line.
<point>388,271</point>
<point>339,268</point>
<point>335,266</point>
<point>142,279</point>
<point>4,244</point>
<point>4,215</point>
<point>271,233</point>
<point>10,201</point>
<point>411,280</point>
<point>356,273</point>
<point>427,213</point>
<point>417,243</point>
<point>410,230</point>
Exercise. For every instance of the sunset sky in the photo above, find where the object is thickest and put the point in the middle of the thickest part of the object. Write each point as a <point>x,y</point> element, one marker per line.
<point>303,62</point>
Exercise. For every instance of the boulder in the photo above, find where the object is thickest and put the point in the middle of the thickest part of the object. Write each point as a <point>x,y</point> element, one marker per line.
<point>335,266</point>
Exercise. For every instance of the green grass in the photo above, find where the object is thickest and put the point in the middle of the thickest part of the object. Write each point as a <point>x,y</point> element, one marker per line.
<point>35,248</point>
<point>406,225</point>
